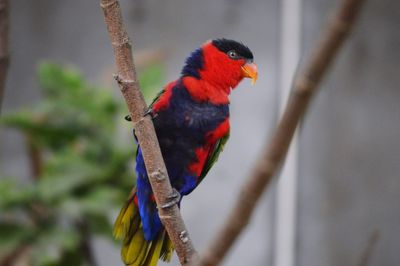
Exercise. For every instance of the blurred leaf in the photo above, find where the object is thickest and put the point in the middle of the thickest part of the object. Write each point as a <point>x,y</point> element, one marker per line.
<point>13,194</point>
<point>55,80</point>
<point>100,224</point>
<point>151,79</point>
<point>65,178</point>
<point>95,203</point>
<point>87,170</point>
<point>52,243</point>
<point>42,132</point>
<point>99,200</point>
<point>13,236</point>
<point>71,258</point>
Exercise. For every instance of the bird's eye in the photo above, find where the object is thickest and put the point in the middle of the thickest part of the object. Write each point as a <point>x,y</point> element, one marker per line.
<point>232,54</point>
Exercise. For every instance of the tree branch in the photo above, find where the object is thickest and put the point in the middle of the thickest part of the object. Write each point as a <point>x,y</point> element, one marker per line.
<point>35,157</point>
<point>305,85</point>
<point>4,57</point>
<point>144,131</point>
<point>86,248</point>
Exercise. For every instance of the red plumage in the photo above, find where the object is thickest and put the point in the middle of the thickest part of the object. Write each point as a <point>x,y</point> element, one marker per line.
<point>191,119</point>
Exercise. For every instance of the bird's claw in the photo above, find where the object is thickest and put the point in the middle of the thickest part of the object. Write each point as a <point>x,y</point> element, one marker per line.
<point>128,118</point>
<point>149,111</point>
<point>173,199</point>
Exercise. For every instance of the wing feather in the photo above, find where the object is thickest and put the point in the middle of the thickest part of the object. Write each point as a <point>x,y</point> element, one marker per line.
<point>213,156</point>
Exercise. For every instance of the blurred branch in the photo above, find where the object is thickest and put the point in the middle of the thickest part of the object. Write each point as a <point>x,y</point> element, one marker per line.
<point>304,86</point>
<point>85,245</point>
<point>144,131</point>
<point>11,258</point>
<point>4,56</point>
<point>35,157</point>
<point>36,210</point>
<point>369,249</point>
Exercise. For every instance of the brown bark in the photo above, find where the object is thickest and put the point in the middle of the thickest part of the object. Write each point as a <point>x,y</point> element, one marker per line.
<point>144,131</point>
<point>4,56</point>
<point>305,85</point>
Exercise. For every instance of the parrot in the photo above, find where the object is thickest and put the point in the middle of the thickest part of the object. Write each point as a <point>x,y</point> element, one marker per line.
<point>191,120</point>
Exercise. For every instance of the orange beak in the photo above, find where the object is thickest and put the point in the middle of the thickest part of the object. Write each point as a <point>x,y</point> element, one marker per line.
<point>249,70</point>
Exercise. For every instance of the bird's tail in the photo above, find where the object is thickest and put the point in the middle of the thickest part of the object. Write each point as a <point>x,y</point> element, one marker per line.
<point>136,251</point>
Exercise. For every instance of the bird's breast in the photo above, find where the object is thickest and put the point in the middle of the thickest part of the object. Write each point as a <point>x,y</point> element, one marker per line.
<point>186,115</point>
<point>185,126</point>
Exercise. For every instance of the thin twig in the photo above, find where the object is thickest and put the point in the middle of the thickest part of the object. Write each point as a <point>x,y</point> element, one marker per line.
<point>305,85</point>
<point>144,131</point>
<point>4,56</point>
<point>36,211</point>
<point>35,157</point>
<point>369,249</point>
<point>85,244</point>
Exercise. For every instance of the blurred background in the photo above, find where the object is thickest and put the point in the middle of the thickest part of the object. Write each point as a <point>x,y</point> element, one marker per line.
<point>66,168</point>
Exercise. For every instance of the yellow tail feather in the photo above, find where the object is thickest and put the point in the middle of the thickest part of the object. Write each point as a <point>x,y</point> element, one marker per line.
<point>136,251</point>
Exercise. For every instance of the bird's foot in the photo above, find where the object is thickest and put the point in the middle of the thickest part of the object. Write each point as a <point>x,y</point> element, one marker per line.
<point>173,199</point>
<point>128,118</point>
<point>149,111</point>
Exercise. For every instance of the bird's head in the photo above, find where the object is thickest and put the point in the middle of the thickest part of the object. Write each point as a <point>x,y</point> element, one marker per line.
<point>222,63</point>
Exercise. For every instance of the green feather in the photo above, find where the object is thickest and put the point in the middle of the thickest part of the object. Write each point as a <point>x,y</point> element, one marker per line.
<point>156,98</point>
<point>213,156</point>
<point>136,251</point>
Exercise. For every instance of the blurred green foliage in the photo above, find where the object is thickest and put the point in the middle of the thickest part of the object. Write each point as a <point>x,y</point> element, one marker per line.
<point>84,172</point>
